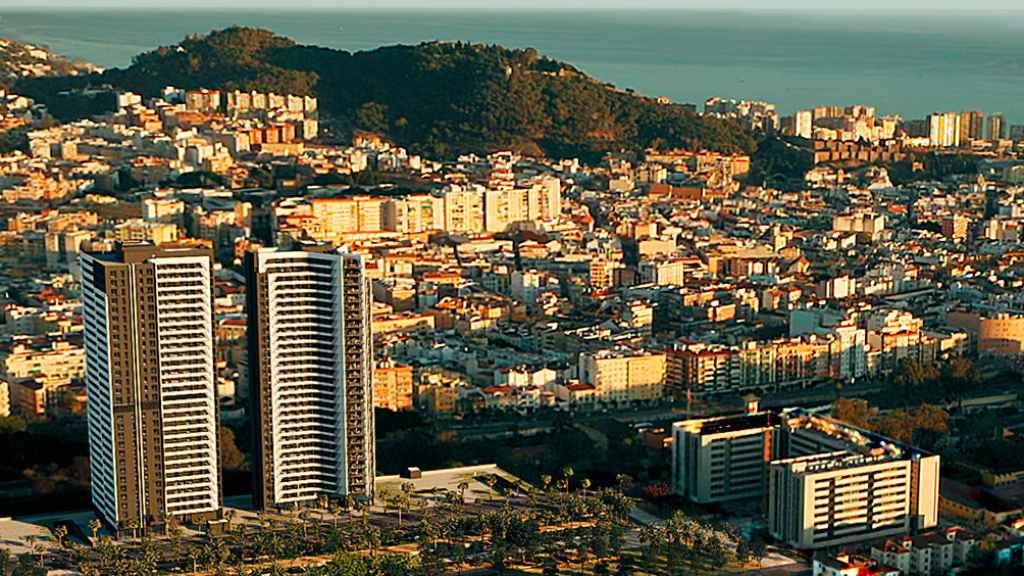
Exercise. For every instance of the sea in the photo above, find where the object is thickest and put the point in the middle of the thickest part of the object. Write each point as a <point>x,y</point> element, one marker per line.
<point>909,64</point>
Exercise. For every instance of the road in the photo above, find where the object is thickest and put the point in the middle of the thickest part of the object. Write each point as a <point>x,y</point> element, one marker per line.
<point>540,424</point>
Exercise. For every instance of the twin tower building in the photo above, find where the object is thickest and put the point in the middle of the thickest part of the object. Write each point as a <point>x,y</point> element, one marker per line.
<point>152,403</point>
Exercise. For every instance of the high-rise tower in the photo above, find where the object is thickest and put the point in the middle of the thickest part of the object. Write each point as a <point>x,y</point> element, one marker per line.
<point>310,375</point>
<point>152,412</point>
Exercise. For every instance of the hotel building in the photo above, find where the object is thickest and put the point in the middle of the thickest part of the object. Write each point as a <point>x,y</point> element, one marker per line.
<point>152,410</point>
<point>310,366</point>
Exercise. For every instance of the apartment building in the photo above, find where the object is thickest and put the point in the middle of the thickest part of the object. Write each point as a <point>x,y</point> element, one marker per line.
<point>1000,333</point>
<point>54,360</point>
<point>935,552</point>
<point>663,271</point>
<point>339,216</point>
<point>152,412</point>
<point>414,214</point>
<point>709,369</point>
<point>621,376</point>
<point>844,564</point>
<point>138,230</point>
<point>392,386</point>
<point>310,369</point>
<point>944,129</point>
<point>464,211</point>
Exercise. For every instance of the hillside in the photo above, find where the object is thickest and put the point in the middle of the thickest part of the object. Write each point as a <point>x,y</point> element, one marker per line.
<point>19,61</point>
<point>437,98</point>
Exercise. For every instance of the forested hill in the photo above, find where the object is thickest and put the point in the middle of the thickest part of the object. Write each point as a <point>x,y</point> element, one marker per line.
<point>437,98</point>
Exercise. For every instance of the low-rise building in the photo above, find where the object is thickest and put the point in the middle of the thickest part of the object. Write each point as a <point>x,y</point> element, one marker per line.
<point>392,387</point>
<point>935,552</point>
<point>844,564</point>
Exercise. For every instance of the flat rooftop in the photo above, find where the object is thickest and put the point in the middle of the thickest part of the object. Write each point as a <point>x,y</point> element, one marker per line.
<point>726,424</point>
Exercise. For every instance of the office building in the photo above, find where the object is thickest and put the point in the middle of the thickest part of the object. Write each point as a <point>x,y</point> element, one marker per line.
<point>310,370</point>
<point>822,482</point>
<point>721,459</point>
<point>152,411</point>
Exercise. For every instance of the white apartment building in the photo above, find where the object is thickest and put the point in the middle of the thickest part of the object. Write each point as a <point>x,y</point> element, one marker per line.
<point>310,365</point>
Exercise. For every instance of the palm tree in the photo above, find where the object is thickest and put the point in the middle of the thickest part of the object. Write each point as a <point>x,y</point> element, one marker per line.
<point>31,540</point>
<point>61,532</point>
<point>405,498</point>
<point>491,482</point>
<point>94,526</point>
<point>463,486</point>
<point>304,516</point>
<point>373,536</point>
<point>194,554</point>
<point>40,549</point>
<point>335,510</point>
<point>585,484</point>
<point>133,525</point>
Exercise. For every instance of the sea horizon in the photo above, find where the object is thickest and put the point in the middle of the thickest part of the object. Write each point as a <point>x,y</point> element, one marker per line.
<point>902,63</point>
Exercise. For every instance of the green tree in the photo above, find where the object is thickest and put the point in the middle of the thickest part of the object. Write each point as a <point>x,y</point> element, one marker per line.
<point>854,411</point>
<point>372,117</point>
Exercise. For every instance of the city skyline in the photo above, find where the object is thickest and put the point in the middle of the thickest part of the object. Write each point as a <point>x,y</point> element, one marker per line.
<point>511,289</point>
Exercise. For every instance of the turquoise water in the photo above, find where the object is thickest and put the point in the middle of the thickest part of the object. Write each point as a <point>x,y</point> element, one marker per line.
<point>903,64</point>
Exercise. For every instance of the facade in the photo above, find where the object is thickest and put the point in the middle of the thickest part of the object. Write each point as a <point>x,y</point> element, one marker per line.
<point>972,126</point>
<point>152,410</point>
<point>664,272</point>
<point>392,387</point>
<point>997,334</point>
<point>310,369</point>
<point>721,459</point>
<point>59,360</point>
<point>995,127</point>
<point>830,499</point>
<point>935,552</point>
<point>944,129</point>
<point>624,376</point>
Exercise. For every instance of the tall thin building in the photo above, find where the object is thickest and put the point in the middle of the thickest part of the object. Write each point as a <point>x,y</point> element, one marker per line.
<point>995,127</point>
<point>944,129</point>
<point>972,125</point>
<point>310,375</point>
<point>152,413</point>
